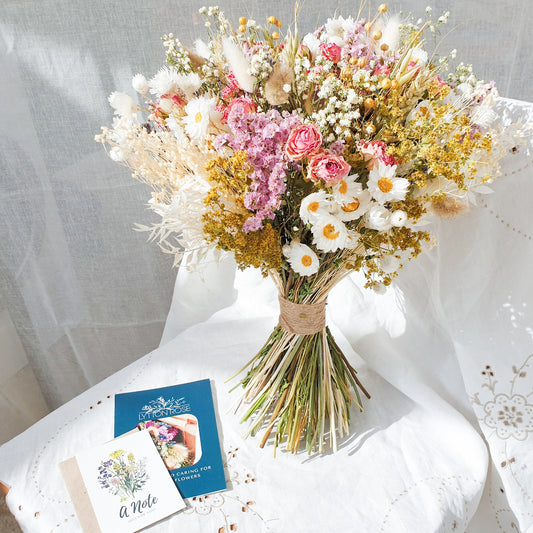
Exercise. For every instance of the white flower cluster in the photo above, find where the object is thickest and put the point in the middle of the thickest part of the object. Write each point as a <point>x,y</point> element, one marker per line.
<point>261,65</point>
<point>301,68</point>
<point>340,109</point>
<point>365,80</point>
<point>464,74</point>
<point>177,56</point>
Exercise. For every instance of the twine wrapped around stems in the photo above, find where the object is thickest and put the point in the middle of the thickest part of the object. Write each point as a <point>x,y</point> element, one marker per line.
<point>303,319</point>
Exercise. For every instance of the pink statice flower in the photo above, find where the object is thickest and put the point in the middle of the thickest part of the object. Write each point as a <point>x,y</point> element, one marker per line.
<point>328,168</point>
<point>263,137</point>
<point>374,152</point>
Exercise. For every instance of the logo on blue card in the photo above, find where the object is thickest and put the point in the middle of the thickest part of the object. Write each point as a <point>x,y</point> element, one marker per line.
<point>160,407</point>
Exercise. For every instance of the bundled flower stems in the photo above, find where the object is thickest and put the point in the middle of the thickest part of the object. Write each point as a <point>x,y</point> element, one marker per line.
<point>308,157</point>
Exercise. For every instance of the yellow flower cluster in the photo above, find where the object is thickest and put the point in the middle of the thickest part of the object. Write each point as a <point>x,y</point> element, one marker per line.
<point>225,217</point>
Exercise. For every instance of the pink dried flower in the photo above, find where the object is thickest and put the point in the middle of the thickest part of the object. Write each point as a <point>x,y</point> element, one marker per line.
<point>382,69</point>
<point>247,104</point>
<point>303,140</point>
<point>326,167</point>
<point>374,153</point>
<point>331,52</point>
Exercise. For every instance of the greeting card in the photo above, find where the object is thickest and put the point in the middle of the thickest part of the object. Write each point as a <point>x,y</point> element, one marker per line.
<point>122,485</point>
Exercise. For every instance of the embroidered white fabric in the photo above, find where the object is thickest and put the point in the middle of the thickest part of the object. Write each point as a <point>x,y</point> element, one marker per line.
<point>445,443</point>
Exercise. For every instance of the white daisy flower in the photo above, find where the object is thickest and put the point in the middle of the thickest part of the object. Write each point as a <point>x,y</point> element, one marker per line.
<point>384,186</point>
<point>378,218</point>
<point>301,258</point>
<point>329,233</point>
<point>164,82</point>
<point>346,189</point>
<point>198,112</point>
<point>314,205</point>
<point>123,105</point>
<point>355,207</point>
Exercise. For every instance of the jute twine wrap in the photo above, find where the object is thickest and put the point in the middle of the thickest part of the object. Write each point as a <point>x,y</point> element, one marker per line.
<point>303,319</point>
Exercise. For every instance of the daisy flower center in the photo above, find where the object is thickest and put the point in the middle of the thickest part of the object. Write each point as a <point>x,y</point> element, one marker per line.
<point>313,206</point>
<point>385,184</point>
<point>343,187</point>
<point>198,117</point>
<point>352,206</point>
<point>329,232</point>
<point>306,260</point>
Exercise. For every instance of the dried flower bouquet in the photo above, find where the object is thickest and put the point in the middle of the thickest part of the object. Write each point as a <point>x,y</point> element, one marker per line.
<point>308,158</point>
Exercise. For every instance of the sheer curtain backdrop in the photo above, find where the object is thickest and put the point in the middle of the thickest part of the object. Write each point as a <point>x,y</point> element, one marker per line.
<point>86,294</point>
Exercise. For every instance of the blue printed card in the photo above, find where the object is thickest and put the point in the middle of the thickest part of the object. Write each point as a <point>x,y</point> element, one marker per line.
<point>181,421</point>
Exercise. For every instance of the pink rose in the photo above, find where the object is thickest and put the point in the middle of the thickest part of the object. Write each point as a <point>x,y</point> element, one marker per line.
<point>331,52</point>
<point>382,69</point>
<point>374,153</point>
<point>247,105</point>
<point>303,140</point>
<point>329,168</point>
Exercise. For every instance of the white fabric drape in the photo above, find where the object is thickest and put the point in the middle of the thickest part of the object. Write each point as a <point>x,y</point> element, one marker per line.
<point>85,292</point>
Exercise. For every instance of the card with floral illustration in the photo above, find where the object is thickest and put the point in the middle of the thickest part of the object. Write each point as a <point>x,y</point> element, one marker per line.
<point>181,421</point>
<point>126,483</point>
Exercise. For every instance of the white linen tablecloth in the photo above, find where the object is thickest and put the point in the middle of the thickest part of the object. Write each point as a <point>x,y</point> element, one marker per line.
<point>444,445</point>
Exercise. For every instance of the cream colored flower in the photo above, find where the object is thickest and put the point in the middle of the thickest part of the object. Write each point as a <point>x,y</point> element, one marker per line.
<point>421,114</point>
<point>398,218</point>
<point>198,112</point>
<point>378,218</point>
<point>329,233</point>
<point>123,105</point>
<point>314,205</point>
<point>301,258</point>
<point>384,186</point>
<point>140,84</point>
<point>164,82</point>
<point>189,83</point>
<point>352,240</point>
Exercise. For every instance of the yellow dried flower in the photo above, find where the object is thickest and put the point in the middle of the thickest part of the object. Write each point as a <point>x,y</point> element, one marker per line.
<point>226,215</point>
